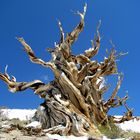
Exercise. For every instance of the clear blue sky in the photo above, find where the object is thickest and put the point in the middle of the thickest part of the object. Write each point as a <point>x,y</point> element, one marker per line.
<point>36,21</point>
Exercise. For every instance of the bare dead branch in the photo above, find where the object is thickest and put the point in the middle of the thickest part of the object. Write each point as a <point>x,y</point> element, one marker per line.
<point>112,99</point>
<point>72,37</point>
<point>95,44</point>
<point>61,32</point>
<point>31,54</point>
<point>20,86</point>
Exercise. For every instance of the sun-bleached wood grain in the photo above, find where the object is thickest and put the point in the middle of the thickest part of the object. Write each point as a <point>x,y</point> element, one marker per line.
<point>73,101</point>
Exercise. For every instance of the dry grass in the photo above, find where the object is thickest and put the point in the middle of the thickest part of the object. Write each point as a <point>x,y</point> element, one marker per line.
<point>116,132</point>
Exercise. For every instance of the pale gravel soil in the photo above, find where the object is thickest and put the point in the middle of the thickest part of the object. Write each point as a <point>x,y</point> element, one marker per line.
<point>23,117</point>
<point>17,135</point>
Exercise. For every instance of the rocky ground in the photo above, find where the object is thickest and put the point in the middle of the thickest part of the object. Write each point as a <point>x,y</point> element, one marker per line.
<point>17,135</point>
<point>16,124</point>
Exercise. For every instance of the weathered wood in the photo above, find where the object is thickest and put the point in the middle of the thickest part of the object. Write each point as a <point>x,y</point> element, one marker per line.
<point>74,102</point>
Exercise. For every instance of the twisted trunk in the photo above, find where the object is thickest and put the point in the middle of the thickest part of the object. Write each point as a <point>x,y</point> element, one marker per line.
<point>74,101</point>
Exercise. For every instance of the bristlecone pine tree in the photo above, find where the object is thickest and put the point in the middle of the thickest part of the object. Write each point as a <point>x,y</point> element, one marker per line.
<point>74,101</point>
